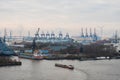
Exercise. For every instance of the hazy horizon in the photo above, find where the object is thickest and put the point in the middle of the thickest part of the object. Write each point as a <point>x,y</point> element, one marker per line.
<point>21,16</point>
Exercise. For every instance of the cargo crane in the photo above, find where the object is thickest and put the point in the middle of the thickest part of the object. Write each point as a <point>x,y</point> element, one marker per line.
<point>82,35</point>
<point>35,54</point>
<point>37,33</point>
<point>34,40</point>
<point>5,34</point>
<point>90,33</point>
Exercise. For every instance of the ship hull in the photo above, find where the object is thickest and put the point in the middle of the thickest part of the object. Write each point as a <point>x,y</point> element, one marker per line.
<point>64,66</point>
<point>31,57</point>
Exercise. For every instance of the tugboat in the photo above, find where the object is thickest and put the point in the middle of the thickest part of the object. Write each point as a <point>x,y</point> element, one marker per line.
<point>64,66</point>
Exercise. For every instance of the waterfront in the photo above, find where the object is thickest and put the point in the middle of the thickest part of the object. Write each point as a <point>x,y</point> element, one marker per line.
<point>46,70</point>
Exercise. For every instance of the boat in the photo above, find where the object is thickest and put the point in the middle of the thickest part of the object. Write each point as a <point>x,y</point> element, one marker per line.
<point>64,66</point>
<point>36,55</point>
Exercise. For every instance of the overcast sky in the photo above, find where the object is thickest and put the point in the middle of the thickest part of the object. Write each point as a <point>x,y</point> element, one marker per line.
<point>21,16</point>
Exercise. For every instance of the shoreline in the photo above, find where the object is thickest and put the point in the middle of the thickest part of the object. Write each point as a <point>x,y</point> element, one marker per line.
<point>7,61</point>
<point>11,64</point>
<point>75,58</point>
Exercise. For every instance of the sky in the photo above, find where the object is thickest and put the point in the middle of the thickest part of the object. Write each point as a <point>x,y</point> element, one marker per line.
<point>21,16</point>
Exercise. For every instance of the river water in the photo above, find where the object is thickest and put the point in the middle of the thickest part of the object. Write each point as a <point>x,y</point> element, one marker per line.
<point>45,70</point>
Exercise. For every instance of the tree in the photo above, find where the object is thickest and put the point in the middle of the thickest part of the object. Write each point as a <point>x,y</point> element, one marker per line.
<point>96,50</point>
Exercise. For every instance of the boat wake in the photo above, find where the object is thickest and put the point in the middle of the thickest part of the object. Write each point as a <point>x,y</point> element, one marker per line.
<point>83,72</point>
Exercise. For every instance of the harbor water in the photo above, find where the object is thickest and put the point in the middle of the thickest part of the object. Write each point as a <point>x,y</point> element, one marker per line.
<point>46,70</point>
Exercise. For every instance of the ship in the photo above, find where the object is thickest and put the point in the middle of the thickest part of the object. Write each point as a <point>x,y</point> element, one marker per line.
<point>64,66</point>
<point>36,55</point>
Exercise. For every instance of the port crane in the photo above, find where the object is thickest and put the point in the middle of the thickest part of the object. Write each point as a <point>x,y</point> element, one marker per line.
<point>34,40</point>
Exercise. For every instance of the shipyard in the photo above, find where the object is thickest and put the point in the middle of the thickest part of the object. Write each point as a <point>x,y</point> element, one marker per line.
<point>50,47</point>
<point>59,40</point>
<point>60,50</point>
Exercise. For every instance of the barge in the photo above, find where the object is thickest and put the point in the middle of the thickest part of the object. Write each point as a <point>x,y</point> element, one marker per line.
<point>64,66</point>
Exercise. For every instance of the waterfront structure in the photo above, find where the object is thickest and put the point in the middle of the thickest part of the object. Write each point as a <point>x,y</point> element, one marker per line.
<point>115,38</point>
<point>86,38</point>
<point>4,49</point>
<point>50,38</point>
<point>115,41</point>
